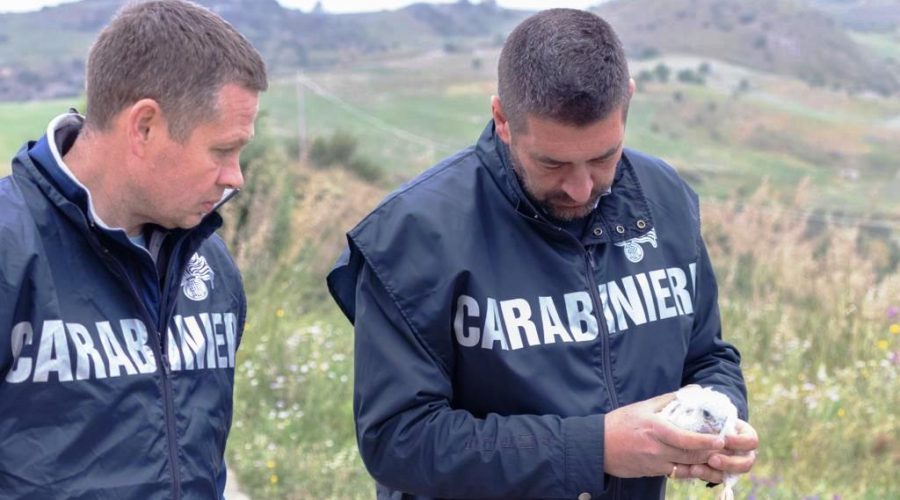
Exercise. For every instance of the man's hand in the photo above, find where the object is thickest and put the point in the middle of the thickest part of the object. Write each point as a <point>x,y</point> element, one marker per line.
<point>737,457</point>
<point>639,442</point>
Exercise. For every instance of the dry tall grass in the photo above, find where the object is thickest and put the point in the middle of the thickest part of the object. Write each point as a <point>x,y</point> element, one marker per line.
<point>813,309</point>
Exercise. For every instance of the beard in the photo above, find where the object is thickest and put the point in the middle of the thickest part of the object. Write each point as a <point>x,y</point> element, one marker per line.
<point>556,204</point>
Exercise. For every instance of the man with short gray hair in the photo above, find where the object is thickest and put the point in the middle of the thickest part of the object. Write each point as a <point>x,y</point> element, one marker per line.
<point>524,309</point>
<point>120,309</point>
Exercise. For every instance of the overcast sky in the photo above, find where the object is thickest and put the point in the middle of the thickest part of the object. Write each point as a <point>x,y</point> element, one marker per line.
<point>332,5</point>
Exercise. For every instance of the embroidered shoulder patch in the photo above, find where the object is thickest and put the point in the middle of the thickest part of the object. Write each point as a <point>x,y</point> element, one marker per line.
<point>633,250</point>
<point>195,278</point>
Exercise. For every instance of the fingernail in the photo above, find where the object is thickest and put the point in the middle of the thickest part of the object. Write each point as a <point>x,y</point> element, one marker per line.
<point>719,443</point>
<point>715,461</point>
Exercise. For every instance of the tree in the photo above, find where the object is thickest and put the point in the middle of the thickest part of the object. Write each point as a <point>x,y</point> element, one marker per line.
<point>662,72</point>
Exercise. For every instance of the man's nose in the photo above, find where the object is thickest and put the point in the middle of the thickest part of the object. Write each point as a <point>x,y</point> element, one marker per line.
<point>579,184</point>
<point>231,175</point>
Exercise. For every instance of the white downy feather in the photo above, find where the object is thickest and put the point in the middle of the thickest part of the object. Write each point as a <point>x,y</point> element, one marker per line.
<point>701,409</point>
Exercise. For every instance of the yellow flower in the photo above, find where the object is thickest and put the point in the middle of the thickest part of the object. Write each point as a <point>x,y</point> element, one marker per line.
<point>841,412</point>
<point>895,329</point>
<point>279,312</point>
<point>273,479</point>
<point>270,464</point>
<point>883,344</point>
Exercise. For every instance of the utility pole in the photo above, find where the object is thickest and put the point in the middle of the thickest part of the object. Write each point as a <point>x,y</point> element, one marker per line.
<point>301,116</point>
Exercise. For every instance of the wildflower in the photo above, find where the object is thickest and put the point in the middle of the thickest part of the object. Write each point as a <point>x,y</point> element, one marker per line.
<point>895,329</point>
<point>270,464</point>
<point>279,313</point>
<point>841,412</point>
<point>883,344</point>
<point>273,479</point>
<point>893,312</point>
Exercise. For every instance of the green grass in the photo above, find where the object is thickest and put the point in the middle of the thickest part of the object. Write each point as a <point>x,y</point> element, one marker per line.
<point>292,434</point>
<point>24,121</point>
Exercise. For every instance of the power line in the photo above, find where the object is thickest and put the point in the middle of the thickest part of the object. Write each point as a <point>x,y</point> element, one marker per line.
<point>373,120</point>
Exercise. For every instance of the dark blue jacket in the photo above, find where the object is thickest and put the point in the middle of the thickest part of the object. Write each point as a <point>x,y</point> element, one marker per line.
<point>490,342</point>
<point>116,363</point>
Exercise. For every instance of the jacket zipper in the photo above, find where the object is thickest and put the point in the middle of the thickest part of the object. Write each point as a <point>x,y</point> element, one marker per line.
<point>604,343</point>
<point>157,346</point>
<point>603,334</point>
<point>604,331</point>
<point>167,369</point>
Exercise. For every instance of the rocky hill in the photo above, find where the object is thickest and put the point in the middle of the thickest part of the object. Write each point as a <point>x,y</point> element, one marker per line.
<point>862,15</point>
<point>36,66</point>
<point>799,38</point>
<point>776,36</point>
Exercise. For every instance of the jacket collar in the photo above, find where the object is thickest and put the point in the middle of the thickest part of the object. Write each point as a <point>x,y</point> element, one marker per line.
<point>621,215</point>
<point>42,163</point>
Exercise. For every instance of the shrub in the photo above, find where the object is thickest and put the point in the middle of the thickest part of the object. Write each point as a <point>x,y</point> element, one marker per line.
<point>335,150</point>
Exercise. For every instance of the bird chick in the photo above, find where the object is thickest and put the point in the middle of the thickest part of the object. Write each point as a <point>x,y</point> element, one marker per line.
<point>703,410</point>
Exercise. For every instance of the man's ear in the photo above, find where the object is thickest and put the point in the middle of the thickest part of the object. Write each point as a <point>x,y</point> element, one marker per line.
<point>631,87</point>
<point>501,124</point>
<point>144,125</point>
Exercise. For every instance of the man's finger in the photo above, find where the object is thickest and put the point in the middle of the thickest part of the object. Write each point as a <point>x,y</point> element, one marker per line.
<point>692,457</point>
<point>746,438</point>
<point>660,402</point>
<point>736,464</point>
<point>706,473</point>
<point>672,436</point>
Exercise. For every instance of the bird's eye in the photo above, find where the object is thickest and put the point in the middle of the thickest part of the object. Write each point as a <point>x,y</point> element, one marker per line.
<point>707,415</point>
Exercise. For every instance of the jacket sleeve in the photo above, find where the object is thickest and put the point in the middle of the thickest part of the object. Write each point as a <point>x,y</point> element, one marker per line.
<point>710,360</point>
<point>15,294</point>
<point>413,440</point>
<point>7,301</point>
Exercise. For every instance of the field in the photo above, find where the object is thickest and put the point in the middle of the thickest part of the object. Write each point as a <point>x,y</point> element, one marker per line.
<point>725,135</point>
<point>725,139</point>
<point>20,122</point>
<point>817,319</point>
<point>800,190</point>
<point>813,306</point>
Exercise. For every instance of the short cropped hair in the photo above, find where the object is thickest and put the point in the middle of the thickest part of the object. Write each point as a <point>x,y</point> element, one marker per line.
<point>562,64</point>
<point>175,52</point>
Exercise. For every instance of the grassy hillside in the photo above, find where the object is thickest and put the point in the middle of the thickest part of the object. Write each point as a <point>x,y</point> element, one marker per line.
<point>778,36</point>
<point>729,133</point>
<point>863,15</point>
<point>726,135</point>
